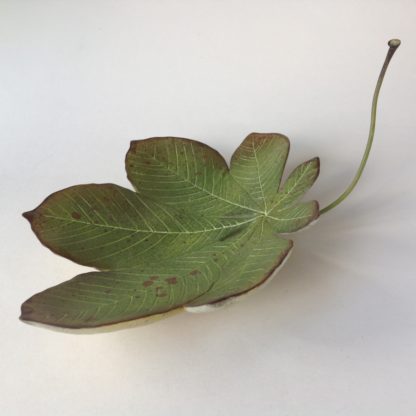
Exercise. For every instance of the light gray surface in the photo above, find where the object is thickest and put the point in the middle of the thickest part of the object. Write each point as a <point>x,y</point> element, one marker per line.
<point>335,333</point>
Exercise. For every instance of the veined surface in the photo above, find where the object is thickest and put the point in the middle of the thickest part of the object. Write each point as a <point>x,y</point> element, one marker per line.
<point>195,232</point>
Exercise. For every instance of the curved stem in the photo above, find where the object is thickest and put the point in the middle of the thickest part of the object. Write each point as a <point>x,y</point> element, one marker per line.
<point>393,45</point>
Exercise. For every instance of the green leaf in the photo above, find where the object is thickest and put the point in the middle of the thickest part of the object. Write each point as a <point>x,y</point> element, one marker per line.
<point>194,232</point>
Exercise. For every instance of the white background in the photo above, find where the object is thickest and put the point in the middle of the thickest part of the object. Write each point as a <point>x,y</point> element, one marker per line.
<point>335,333</point>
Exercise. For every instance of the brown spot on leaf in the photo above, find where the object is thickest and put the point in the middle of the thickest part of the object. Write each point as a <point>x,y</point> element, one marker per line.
<point>195,272</point>
<point>172,280</point>
<point>154,277</point>
<point>147,283</point>
<point>76,215</point>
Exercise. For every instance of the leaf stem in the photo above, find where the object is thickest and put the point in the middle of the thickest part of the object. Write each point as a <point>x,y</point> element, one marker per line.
<point>393,45</point>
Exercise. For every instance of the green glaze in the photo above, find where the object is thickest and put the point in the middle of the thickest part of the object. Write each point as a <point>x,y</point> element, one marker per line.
<point>195,232</point>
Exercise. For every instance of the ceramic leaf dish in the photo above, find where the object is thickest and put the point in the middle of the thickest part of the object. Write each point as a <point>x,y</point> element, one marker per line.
<point>193,235</point>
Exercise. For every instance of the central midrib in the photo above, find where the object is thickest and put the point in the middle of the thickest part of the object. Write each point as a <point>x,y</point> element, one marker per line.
<point>136,230</point>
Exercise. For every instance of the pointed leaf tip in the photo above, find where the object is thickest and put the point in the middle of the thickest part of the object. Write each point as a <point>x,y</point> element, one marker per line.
<point>29,215</point>
<point>25,311</point>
